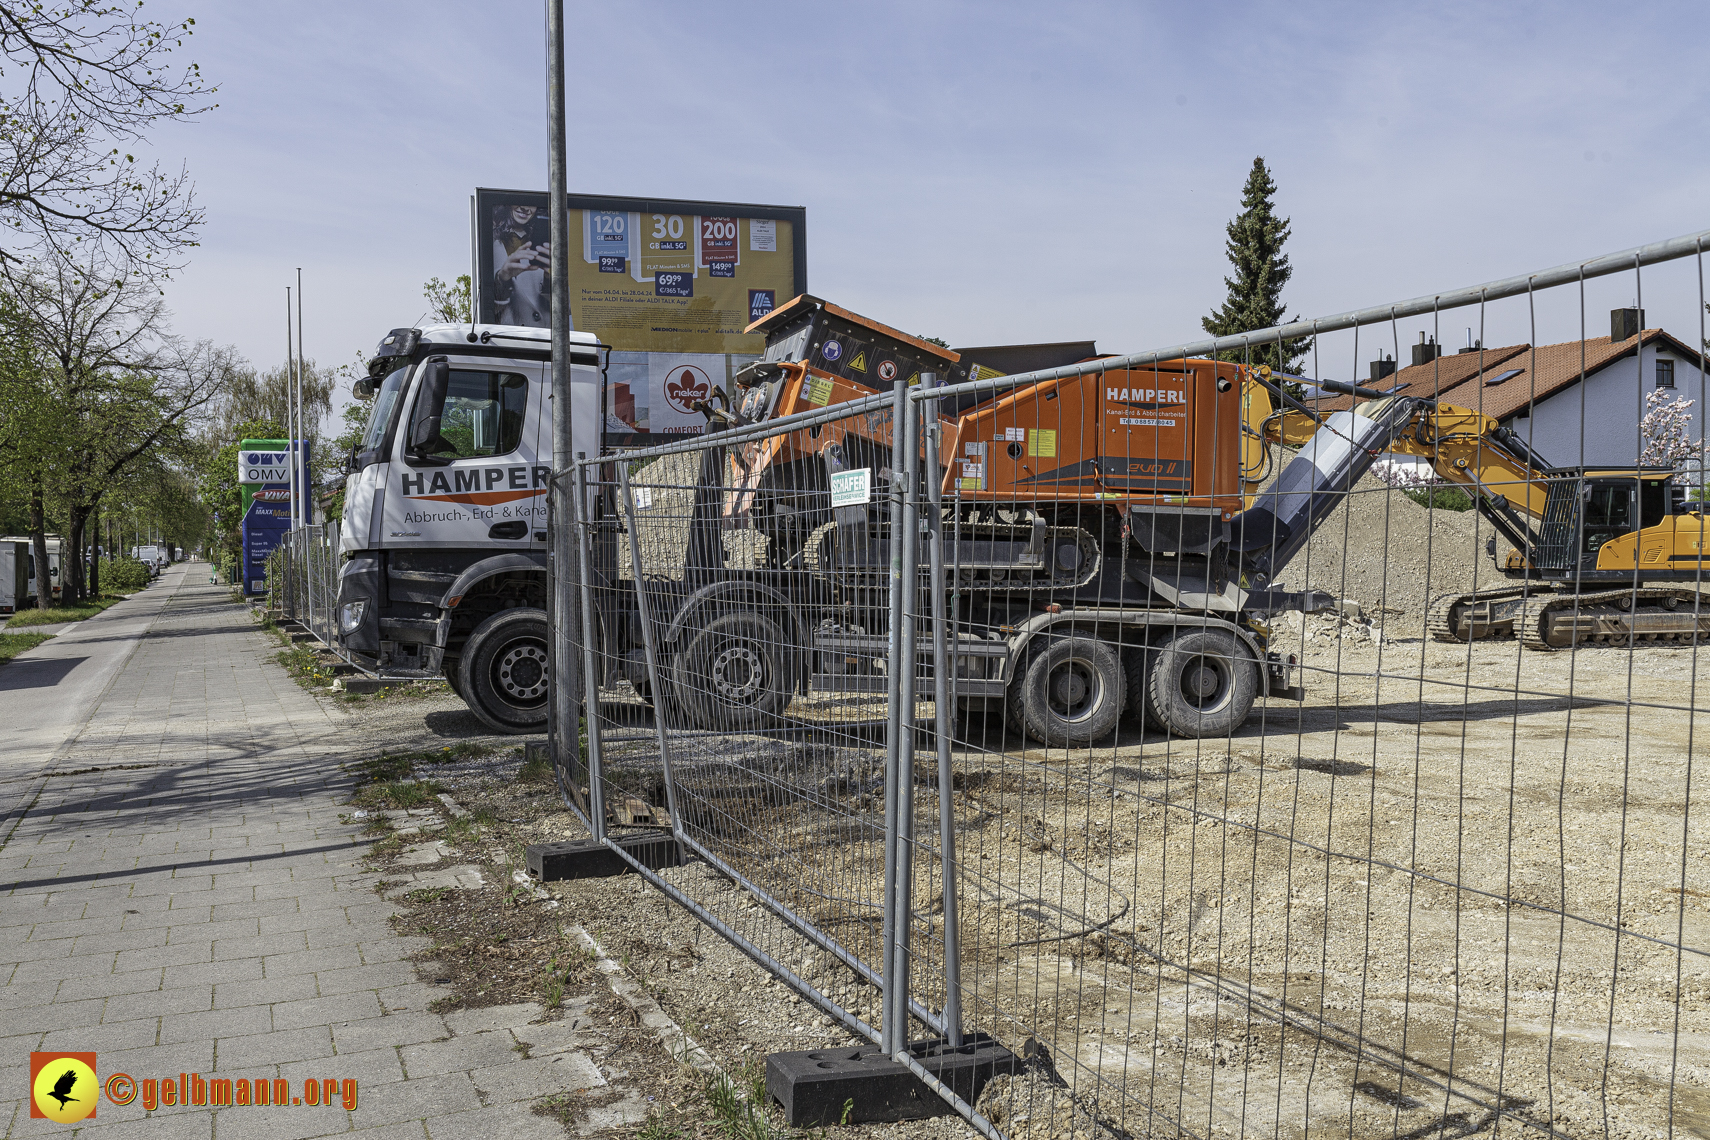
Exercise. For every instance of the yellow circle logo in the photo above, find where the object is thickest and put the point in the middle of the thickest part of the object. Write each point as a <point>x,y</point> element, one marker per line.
<point>66,1090</point>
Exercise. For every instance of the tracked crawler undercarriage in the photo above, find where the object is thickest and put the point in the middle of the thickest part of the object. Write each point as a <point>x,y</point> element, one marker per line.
<point>1545,617</point>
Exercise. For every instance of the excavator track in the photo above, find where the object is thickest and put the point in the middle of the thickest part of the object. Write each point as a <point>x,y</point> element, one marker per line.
<point>1443,623</point>
<point>1615,619</point>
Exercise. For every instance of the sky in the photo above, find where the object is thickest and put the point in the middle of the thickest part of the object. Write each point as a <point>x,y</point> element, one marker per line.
<point>986,173</point>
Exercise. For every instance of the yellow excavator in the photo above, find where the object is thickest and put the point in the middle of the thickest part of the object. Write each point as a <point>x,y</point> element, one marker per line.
<point>1601,555</point>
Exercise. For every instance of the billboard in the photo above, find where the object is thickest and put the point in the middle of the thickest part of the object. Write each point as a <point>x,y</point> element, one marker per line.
<point>668,284</point>
<point>264,478</point>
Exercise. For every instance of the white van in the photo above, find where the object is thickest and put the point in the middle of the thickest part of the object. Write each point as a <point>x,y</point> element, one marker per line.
<point>29,598</point>
<point>14,574</point>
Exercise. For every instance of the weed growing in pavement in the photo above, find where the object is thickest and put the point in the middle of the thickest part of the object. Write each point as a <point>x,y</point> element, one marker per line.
<point>401,794</point>
<point>427,894</point>
<point>305,666</point>
<point>385,767</point>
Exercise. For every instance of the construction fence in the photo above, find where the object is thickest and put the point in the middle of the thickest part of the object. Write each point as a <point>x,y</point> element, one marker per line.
<point>302,580</point>
<point>1356,796</point>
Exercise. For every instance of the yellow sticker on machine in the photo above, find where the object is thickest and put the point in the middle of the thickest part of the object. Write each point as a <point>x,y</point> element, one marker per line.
<point>818,391</point>
<point>971,484</point>
<point>1042,443</point>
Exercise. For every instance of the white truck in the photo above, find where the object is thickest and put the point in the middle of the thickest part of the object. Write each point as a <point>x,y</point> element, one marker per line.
<point>444,535</point>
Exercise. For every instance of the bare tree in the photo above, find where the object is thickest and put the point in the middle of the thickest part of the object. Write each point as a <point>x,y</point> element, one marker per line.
<point>81,82</point>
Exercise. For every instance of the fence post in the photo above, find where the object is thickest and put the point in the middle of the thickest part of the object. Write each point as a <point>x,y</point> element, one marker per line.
<point>943,715</point>
<point>654,679</point>
<point>899,755</point>
<point>595,805</point>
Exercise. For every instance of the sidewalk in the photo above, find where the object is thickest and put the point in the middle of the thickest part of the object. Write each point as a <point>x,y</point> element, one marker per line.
<point>184,899</point>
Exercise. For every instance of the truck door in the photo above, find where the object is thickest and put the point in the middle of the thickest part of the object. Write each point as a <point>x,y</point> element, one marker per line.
<point>480,479</point>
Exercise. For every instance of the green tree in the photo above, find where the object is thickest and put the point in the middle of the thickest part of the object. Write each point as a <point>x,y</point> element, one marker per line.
<point>1255,248</point>
<point>453,303</point>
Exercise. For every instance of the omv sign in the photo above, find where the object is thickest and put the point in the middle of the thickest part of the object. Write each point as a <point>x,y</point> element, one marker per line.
<point>264,467</point>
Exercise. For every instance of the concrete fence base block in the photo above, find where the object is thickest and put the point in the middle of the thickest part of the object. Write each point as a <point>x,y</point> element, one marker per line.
<point>814,1086</point>
<point>591,859</point>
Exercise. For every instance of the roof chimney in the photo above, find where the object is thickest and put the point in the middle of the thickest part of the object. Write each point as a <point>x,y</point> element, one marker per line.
<point>1625,323</point>
<point>1475,346</point>
<point>1426,351</point>
<point>1382,368</point>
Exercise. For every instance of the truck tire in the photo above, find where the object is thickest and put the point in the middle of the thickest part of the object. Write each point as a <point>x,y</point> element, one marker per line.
<point>734,673</point>
<point>1202,683</point>
<point>1072,692</point>
<point>451,677</point>
<point>503,671</point>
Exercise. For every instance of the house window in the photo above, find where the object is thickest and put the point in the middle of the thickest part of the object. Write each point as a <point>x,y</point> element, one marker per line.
<point>1665,373</point>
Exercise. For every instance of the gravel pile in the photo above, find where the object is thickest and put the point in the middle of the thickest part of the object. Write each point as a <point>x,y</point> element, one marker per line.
<point>1392,555</point>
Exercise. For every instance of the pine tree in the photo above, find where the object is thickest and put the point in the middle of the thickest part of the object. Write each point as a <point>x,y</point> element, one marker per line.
<point>1254,248</point>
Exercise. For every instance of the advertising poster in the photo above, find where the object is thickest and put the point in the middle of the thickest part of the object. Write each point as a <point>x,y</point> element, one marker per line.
<point>264,477</point>
<point>669,285</point>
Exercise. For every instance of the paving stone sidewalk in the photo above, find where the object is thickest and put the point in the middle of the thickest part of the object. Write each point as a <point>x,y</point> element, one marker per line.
<point>184,899</point>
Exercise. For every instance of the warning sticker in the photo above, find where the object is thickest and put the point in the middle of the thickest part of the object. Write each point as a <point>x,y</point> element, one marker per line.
<point>818,391</point>
<point>859,364</point>
<point>1042,443</point>
<point>1014,435</point>
<point>887,369</point>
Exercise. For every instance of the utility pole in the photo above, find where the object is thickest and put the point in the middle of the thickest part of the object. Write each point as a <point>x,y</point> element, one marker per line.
<point>290,409</point>
<point>306,512</point>
<point>566,578</point>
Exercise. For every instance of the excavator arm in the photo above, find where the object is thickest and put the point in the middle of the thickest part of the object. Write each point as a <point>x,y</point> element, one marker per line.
<point>1507,481</point>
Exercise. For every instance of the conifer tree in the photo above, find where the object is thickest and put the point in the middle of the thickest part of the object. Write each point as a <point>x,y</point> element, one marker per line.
<point>1255,249</point>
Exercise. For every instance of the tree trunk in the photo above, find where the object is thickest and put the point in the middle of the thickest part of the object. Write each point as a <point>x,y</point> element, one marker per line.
<point>38,546</point>
<point>71,556</point>
<point>95,549</point>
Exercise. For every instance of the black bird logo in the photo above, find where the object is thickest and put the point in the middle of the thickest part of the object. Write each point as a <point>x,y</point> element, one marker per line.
<point>63,1086</point>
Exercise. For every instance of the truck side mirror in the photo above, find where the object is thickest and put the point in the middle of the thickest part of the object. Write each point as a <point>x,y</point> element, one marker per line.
<point>430,406</point>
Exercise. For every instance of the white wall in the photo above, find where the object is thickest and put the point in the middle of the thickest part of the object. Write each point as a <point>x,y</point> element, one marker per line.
<point>1613,400</point>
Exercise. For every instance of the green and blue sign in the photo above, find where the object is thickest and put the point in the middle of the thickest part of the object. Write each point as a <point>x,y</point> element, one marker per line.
<point>264,477</point>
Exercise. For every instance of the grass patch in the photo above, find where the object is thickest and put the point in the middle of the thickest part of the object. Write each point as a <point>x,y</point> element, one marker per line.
<point>12,644</point>
<point>1441,498</point>
<point>402,795</point>
<point>56,614</point>
<point>537,769</point>
<point>305,666</point>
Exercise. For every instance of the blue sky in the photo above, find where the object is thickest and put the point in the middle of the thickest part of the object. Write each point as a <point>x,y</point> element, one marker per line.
<point>988,173</point>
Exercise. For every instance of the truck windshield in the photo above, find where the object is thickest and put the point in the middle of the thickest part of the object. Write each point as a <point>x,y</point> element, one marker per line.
<point>385,401</point>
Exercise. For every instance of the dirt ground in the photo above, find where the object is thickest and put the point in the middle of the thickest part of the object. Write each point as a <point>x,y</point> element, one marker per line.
<point>1423,867</point>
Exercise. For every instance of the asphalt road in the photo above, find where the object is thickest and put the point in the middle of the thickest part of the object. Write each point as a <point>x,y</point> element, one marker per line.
<point>48,693</point>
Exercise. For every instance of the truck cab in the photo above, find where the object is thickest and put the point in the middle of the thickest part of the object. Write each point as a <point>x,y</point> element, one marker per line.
<point>444,543</point>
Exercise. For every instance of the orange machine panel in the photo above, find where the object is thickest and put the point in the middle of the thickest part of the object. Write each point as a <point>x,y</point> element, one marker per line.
<point>1145,435</point>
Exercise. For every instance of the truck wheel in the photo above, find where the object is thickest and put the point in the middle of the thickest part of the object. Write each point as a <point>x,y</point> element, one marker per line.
<point>503,670</point>
<point>452,679</point>
<point>1072,693</point>
<point>733,673</point>
<point>1203,683</point>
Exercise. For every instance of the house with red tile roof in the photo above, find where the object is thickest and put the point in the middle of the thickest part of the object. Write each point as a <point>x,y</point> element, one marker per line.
<point>1577,403</point>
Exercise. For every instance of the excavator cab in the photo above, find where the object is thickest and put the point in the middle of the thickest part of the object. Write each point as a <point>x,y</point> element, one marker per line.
<point>1587,509</point>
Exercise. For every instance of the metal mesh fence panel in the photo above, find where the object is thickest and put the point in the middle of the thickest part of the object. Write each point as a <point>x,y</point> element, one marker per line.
<point>1270,736</point>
